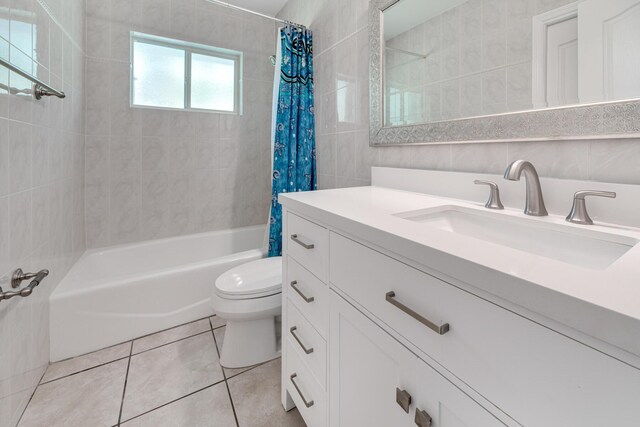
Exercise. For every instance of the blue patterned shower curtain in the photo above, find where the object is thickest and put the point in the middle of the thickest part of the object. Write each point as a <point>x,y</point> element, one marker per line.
<point>294,147</point>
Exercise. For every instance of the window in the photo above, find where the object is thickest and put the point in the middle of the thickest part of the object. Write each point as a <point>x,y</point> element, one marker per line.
<point>174,74</point>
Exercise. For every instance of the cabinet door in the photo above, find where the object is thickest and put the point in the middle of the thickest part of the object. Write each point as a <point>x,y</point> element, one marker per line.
<point>367,369</point>
<point>444,402</point>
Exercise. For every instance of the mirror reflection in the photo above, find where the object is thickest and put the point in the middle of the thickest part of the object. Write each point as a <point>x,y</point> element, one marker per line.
<point>450,59</point>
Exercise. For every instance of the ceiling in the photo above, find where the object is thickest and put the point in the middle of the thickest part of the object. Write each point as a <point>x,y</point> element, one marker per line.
<point>267,7</point>
<point>406,14</point>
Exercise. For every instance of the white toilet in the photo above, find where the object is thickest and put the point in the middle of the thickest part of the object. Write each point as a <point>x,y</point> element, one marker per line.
<point>249,298</point>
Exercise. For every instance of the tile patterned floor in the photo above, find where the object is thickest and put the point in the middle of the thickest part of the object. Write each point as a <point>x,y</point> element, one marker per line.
<point>172,378</point>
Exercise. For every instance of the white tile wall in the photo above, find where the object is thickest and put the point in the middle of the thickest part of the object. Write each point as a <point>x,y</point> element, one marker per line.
<point>41,181</point>
<point>341,87</point>
<point>155,173</point>
<point>338,165</point>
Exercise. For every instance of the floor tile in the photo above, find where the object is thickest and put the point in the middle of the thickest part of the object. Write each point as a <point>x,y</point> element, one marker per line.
<point>217,321</point>
<point>90,398</point>
<point>229,372</point>
<point>208,408</point>
<point>256,397</point>
<point>169,372</point>
<point>80,363</point>
<point>170,335</point>
<point>13,406</point>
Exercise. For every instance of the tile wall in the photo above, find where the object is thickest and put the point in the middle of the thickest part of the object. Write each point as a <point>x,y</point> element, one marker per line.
<point>154,173</point>
<point>344,155</point>
<point>41,180</point>
<point>341,87</point>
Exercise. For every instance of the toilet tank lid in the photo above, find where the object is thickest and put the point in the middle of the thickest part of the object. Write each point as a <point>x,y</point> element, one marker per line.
<point>253,278</point>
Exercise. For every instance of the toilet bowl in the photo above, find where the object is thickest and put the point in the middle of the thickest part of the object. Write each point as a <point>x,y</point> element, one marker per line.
<point>249,298</point>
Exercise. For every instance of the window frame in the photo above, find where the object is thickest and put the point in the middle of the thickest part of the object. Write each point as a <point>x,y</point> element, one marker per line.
<point>189,49</point>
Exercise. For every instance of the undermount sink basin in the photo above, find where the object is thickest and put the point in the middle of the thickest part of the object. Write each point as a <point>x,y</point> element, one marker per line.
<point>584,248</point>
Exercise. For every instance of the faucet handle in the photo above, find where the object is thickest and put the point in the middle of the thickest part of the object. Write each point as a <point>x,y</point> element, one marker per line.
<point>494,194</point>
<point>579,214</point>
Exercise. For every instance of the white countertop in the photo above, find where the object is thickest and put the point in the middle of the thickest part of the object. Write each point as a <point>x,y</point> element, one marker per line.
<point>604,304</point>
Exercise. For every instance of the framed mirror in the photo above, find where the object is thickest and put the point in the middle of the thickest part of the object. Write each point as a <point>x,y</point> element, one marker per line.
<point>444,71</point>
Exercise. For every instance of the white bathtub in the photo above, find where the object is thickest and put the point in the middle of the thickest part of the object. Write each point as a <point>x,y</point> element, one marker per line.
<point>115,294</point>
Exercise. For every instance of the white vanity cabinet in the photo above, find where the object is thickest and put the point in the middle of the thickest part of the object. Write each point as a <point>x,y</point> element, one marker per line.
<point>382,330</point>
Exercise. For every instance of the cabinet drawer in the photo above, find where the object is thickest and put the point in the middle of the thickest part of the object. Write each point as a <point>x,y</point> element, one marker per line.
<point>309,397</point>
<point>308,243</point>
<point>529,371</point>
<point>309,345</point>
<point>308,294</point>
<point>377,382</point>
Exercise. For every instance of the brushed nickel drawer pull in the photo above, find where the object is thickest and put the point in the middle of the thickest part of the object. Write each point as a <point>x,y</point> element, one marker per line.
<point>306,299</point>
<point>403,399</point>
<point>294,237</point>
<point>423,419</point>
<point>305,349</point>
<point>309,403</point>
<point>440,329</point>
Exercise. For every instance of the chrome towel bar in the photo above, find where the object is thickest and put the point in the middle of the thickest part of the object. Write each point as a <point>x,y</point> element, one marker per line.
<point>17,278</point>
<point>40,88</point>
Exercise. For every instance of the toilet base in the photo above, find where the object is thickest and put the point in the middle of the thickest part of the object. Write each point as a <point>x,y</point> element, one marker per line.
<point>249,342</point>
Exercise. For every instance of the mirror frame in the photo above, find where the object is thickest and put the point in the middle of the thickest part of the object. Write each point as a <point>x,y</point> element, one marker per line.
<point>605,120</point>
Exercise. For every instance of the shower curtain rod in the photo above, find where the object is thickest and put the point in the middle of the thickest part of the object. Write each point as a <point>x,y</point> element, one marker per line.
<point>242,9</point>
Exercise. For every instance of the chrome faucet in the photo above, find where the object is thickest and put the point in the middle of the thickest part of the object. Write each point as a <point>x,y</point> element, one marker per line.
<point>534,204</point>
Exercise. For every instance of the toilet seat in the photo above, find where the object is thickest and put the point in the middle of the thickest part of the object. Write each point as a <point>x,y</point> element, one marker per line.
<point>256,279</point>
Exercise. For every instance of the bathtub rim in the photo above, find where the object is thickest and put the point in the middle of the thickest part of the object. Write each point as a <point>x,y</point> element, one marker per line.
<point>97,284</point>
<point>101,284</point>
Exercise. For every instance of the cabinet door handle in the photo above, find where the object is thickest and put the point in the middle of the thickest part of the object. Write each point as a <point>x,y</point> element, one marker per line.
<point>295,238</point>
<point>423,419</point>
<point>403,398</point>
<point>307,403</point>
<point>305,349</point>
<point>440,329</point>
<point>306,299</point>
